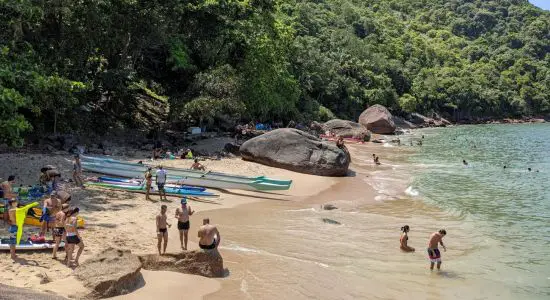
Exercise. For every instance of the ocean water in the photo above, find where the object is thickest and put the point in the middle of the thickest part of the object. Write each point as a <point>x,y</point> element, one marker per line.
<point>497,220</point>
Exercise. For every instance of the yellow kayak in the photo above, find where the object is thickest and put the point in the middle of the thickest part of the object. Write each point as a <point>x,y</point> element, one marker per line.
<point>33,214</point>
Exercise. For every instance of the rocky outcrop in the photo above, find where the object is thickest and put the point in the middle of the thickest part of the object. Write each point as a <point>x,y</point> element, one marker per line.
<point>111,273</point>
<point>377,119</point>
<point>297,151</point>
<point>329,207</point>
<point>197,262</point>
<point>16,293</point>
<point>402,123</point>
<point>347,129</point>
<point>232,148</point>
<point>423,121</point>
<point>317,127</point>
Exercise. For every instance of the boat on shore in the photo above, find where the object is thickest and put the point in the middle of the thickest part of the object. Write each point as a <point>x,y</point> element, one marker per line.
<point>170,189</point>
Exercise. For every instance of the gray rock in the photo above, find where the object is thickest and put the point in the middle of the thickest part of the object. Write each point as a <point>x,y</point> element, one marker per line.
<point>377,119</point>
<point>232,148</point>
<point>330,221</point>
<point>111,273</point>
<point>16,293</point>
<point>347,129</point>
<point>297,151</point>
<point>329,207</point>
<point>208,263</point>
<point>402,123</point>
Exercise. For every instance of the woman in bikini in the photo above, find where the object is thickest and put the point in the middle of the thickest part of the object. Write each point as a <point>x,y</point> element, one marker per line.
<point>73,237</point>
<point>404,239</point>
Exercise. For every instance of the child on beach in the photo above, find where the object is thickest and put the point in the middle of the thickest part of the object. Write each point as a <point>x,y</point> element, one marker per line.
<point>433,250</point>
<point>73,238</point>
<point>162,231</point>
<point>404,239</point>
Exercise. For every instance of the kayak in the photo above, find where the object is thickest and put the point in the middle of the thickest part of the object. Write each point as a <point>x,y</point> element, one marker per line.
<point>185,172</point>
<point>194,179</point>
<point>32,217</point>
<point>170,190</point>
<point>29,245</point>
<point>134,182</point>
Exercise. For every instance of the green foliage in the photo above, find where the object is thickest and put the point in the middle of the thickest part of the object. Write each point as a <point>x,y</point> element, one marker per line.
<point>325,114</point>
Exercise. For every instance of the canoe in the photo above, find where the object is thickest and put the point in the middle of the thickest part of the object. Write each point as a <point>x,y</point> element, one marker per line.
<point>34,214</point>
<point>28,245</point>
<point>204,179</point>
<point>134,182</point>
<point>170,190</point>
<point>186,172</point>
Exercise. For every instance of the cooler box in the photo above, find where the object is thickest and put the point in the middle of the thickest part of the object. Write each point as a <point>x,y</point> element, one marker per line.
<point>194,130</point>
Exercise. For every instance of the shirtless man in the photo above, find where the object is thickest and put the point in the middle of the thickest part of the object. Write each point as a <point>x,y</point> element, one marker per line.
<point>7,192</point>
<point>58,230</point>
<point>13,226</point>
<point>77,171</point>
<point>72,236</point>
<point>162,231</point>
<point>51,206</point>
<point>209,236</point>
<point>197,166</point>
<point>148,182</point>
<point>433,250</point>
<point>182,214</point>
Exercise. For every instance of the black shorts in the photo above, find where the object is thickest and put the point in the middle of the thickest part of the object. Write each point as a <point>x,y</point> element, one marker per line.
<point>162,230</point>
<point>58,231</point>
<point>160,186</point>
<point>183,225</point>
<point>73,239</point>
<point>208,247</point>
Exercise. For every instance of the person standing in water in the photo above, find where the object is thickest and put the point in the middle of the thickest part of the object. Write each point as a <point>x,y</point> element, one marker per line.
<point>161,181</point>
<point>182,214</point>
<point>209,236</point>
<point>58,231</point>
<point>404,239</point>
<point>148,183</point>
<point>433,251</point>
<point>13,226</point>
<point>77,171</point>
<point>73,237</point>
<point>162,230</point>
<point>464,162</point>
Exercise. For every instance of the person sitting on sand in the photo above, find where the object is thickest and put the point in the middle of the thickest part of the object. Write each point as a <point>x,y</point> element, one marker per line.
<point>73,236</point>
<point>77,171</point>
<point>161,181</point>
<point>209,236</point>
<point>148,182</point>
<point>340,142</point>
<point>162,231</point>
<point>58,231</point>
<point>182,214</point>
<point>49,209</point>
<point>197,166</point>
<point>404,239</point>
<point>13,226</point>
<point>433,250</point>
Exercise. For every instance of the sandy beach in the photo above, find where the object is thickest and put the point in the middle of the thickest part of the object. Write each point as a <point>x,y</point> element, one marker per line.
<point>127,221</point>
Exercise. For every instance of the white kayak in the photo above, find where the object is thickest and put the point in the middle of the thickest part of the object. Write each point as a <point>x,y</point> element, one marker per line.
<point>28,245</point>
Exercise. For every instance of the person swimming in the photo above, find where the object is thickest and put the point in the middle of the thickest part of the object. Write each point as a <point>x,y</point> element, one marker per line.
<point>464,162</point>
<point>404,239</point>
<point>529,169</point>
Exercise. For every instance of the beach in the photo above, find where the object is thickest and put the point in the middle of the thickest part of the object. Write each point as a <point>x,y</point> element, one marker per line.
<point>284,245</point>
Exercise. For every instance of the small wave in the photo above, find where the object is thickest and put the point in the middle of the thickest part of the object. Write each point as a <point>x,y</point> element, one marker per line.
<point>303,209</point>
<point>411,191</point>
<point>240,249</point>
<point>388,145</point>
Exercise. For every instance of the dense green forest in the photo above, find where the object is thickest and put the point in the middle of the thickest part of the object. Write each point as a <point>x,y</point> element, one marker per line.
<point>70,66</point>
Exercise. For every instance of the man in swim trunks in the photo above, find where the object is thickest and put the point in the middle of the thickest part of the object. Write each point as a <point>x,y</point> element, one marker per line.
<point>13,227</point>
<point>433,250</point>
<point>182,214</point>
<point>197,166</point>
<point>161,181</point>
<point>53,177</point>
<point>77,171</point>
<point>58,230</point>
<point>73,236</point>
<point>49,209</point>
<point>209,236</point>
<point>148,182</point>
<point>162,231</point>
<point>8,193</point>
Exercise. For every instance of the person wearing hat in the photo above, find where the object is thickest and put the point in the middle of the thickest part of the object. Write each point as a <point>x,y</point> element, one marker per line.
<point>148,182</point>
<point>77,171</point>
<point>182,214</point>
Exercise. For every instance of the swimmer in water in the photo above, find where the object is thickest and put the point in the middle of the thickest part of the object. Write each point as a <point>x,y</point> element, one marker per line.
<point>404,239</point>
<point>529,169</point>
<point>464,162</point>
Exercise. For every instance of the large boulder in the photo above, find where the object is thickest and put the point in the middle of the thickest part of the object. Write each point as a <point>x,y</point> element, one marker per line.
<point>197,262</point>
<point>297,151</point>
<point>16,293</point>
<point>377,119</point>
<point>111,273</point>
<point>347,129</point>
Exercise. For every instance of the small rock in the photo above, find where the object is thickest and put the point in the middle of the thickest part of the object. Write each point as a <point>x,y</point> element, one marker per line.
<point>330,221</point>
<point>329,207</point>
<point>44,278</point>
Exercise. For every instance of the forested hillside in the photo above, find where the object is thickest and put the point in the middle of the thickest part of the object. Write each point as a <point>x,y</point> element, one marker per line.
<point>94,64</point>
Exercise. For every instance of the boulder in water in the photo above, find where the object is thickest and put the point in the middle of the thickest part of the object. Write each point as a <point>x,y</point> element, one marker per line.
<point>111,273</point>
<point>377,119</point>
<point>347,129</point>
<point>297,151</point>
<point>207,263</point>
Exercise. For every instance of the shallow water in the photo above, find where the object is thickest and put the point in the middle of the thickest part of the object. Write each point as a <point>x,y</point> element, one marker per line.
<point>497,223</point>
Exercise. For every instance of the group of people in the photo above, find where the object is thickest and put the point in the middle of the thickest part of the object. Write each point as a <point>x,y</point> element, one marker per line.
<point>435,240</point>
<point>209,236</point>
<point>161,177</point>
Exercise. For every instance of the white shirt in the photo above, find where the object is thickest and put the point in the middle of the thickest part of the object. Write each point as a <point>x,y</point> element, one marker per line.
<point>161,176</point>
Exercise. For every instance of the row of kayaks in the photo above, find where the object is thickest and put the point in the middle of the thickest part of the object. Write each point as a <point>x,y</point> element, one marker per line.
<point>186,177</point>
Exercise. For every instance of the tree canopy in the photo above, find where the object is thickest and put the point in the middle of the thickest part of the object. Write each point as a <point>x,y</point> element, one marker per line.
<point>93,64</point>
